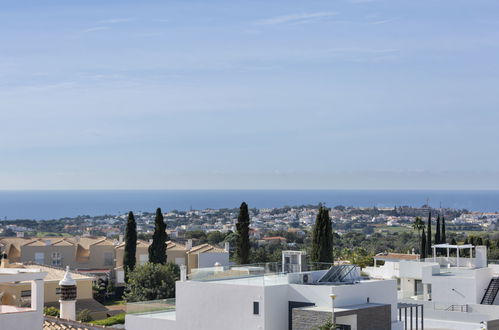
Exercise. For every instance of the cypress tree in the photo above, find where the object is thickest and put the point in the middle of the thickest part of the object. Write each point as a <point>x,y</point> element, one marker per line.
<point>322,238</point>
<point>423,246</point>
<point>428,235</point>
<point>437,231</point>
<point>443,236</point>
<point>157,249</point>
<point>130,245</point>
<point>243,243</point>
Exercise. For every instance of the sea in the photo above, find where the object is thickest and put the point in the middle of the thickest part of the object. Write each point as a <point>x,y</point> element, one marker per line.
<point>56,204</point>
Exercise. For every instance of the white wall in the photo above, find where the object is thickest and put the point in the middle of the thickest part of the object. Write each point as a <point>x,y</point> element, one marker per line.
<point>383,292</point>
<point>218,306</point>
<point>209,259</point>
<point>461,288</point>
<point>276,307</point>
<point>414,269</point>
<point>21,321</point>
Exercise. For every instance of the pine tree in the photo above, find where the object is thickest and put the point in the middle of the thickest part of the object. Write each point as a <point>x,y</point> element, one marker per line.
<point>423,253</point>
<point>322,238</point>
<point>437,231</point>
<point>130,245</point>
<point>243,243</point>
<point>428,235</point>
<point>157,249</point>
<point>443,236</point>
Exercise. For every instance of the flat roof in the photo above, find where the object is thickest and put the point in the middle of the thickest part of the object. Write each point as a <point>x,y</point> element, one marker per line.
<point>450,246</point>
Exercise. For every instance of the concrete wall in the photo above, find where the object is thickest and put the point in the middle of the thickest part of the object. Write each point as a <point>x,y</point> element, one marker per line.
<point>217,306</point>
<point>372,318</point>
<point>21,321</point>
<point>276,307</point>
<point>413,269</point>
<point>383,292</point>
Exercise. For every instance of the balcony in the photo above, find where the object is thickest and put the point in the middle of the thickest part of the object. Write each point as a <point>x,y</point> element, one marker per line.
<point>163,308</point>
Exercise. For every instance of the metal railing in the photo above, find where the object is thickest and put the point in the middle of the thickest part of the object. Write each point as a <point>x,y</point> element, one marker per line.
<point>266,272</point>
<point>458,308</point>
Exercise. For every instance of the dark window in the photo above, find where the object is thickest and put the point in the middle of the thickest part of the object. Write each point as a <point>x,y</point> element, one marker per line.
<point>256,308</point>
<point>57,290</point>
<point>26,293</point>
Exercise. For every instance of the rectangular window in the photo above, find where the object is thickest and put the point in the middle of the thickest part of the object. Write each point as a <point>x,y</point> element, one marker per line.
<point>56,259</point>
<point>26,293</point>
<point>108,259</point>
<point>57,290</point>
<point>256,308</point>
<point>39,258</point>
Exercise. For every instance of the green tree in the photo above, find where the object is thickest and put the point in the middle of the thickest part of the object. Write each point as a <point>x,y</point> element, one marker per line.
<point>84,316</point>
<point>243,243</point>
<point>152,281</point>
<point>423,254</point>
<point>418,225</point>
<point>443,235</point>
<point>157,249</point>
<point>130,244</point>
<point>322,238</point>
<point>437,231</point>
<point>428,235</point>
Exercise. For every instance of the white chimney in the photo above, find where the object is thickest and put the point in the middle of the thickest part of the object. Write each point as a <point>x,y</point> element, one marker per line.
<point>188,245</point>
<point>183,273</point>
<point>120,239</point>
<point>67,303</point>
<point>227,247</point>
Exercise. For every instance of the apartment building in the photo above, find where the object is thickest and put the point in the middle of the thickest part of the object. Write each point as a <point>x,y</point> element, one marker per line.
<point>101,256</point>
<point>83,254</point>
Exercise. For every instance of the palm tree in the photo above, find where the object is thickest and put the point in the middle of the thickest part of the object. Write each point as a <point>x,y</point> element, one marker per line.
<point>418,225</point>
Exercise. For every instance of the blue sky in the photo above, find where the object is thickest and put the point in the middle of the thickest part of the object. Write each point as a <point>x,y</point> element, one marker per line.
<point>249,94</point>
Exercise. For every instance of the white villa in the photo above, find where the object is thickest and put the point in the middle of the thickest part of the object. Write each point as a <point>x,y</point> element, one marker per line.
<point>452,287</point>
<point>21,318</point>
<point>264,297</point>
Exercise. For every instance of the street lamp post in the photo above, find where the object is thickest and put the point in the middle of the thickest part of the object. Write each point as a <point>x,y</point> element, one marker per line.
<point>333,297</point>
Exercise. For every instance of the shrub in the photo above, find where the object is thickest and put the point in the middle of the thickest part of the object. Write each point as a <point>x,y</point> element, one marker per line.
<point>84,316</point>
<point>116,319</point>
<point>51,311</point>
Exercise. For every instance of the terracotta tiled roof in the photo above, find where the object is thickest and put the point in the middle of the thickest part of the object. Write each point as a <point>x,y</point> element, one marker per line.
<point>54,323</point>
<point>396,256</point>
<point>205,248</point>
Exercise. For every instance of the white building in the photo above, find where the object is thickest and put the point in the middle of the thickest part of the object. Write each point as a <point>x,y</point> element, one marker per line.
<point>259,297</point>
<point>451,287</point>
<point>21,318</point>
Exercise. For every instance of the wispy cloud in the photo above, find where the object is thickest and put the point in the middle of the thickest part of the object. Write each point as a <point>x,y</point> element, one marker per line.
<point>115,20</point>
<point>96,28</point>
<point>296,18</point>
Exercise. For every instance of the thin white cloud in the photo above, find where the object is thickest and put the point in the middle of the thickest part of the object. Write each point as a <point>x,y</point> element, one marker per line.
<point>296,18</point>
<point>96,28</point>
<point>115,20</point>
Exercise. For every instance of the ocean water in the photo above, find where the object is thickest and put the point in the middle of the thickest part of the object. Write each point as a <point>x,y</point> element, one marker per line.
<point>55,204</point>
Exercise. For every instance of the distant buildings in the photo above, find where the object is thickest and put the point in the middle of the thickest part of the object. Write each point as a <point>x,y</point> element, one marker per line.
<point>101,256</point>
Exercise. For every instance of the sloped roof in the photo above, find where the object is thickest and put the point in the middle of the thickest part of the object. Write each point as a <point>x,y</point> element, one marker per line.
<point>170,245</point>
<point>55,323</point>
<point>57,274</point>
<point>205,248</point>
